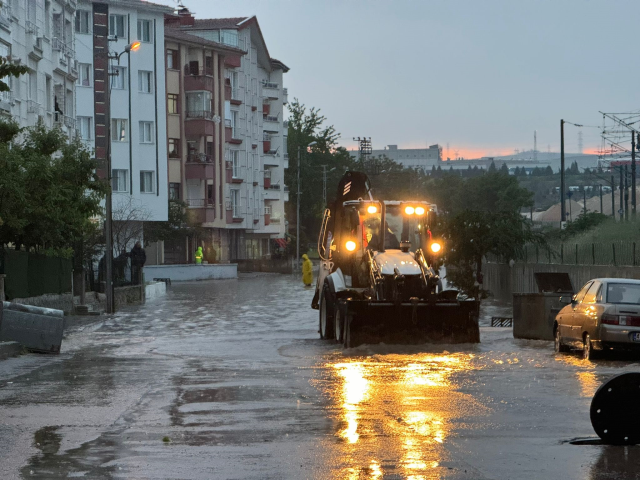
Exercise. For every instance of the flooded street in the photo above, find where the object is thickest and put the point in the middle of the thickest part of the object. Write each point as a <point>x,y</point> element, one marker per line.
<point>228,380</point>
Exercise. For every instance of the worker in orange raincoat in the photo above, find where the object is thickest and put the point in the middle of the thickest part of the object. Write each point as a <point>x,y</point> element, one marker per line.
<point>307,271</point>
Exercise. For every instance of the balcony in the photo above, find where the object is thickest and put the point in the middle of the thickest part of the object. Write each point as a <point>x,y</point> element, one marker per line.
<point>200,122</point>
<point>201,210</point>
<point>198,79</point>
<point>267,179</point>
<point>234,213</point>
<point>271,90</point>
<point>271,124</point>
<point>63,48</point>
<point>285,95</point>
<point>271,159</point>
<point>5,15</point>
<point>199,166</point>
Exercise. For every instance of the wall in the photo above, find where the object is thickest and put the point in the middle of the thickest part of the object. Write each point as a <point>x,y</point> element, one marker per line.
<point>155,290</point>
<point>276,266</point>
<point>503,281</point>
<point>179,273</point>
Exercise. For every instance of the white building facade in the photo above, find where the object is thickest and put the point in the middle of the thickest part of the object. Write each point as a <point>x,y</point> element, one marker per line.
<point>420,158</point>
<point>138,99</point>
<point>39,34</point>
<point>255,147</point>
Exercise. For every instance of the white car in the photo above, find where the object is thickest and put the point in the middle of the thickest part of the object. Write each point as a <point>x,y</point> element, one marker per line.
<point>603,315</point>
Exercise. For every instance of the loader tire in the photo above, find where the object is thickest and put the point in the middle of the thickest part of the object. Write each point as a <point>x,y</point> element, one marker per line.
<point>326,328</point>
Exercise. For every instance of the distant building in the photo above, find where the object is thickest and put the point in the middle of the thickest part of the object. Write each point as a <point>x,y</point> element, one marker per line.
<point>422,158</point>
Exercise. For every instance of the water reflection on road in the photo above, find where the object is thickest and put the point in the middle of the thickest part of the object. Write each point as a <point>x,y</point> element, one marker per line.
<point>395,410</point>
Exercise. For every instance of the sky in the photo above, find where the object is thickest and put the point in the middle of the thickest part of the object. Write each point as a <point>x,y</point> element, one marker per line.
<point>478,75</point>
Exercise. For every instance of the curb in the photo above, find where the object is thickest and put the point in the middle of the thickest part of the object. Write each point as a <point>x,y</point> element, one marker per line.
<point>10,349</point>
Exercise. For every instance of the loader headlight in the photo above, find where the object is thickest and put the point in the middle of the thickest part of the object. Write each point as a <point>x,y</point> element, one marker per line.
<point>435,247</point>
<point>409,210</point>
<point>419,210</point>
<point>350,245</point>
<point>372,209</point>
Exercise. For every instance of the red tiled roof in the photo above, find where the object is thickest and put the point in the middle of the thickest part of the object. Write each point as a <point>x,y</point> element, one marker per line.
<point>216,23</point>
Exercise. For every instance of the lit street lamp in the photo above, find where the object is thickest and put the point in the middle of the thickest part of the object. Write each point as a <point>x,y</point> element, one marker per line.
<point>132,47</point>
<point>298,208</point>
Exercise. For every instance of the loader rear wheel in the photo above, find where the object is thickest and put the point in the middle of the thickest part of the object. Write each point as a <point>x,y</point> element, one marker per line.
<point>326,314</point>
<point>338,323</point>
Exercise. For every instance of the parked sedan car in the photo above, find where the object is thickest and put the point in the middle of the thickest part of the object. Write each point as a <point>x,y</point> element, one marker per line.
<point>603,315</point>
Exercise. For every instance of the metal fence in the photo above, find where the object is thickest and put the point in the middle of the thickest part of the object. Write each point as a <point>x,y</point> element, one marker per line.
<point>614,253</point>
<point>31,274</point>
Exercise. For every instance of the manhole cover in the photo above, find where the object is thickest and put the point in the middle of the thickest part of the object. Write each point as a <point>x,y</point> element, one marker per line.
<point>613,410</point>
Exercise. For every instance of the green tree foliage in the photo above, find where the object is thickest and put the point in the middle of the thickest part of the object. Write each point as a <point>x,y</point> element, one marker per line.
<point>307,126</point>
<point>49,192</point>
<point>176,228</point>
<point>8,69</point>
<point>583,223</point>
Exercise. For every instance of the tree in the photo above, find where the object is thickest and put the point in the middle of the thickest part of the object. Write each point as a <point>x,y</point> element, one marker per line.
<point>49,191</point>
<point>8,69</point>
<point>128,216</point>
<point>492,167</point>
<point>504,169</point>
<point>176,228</point>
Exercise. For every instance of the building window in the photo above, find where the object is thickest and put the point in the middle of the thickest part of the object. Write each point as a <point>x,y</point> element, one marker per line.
<point>84,75</point>
<point>235,202</point>
<point>146,182</point>
<point>172,59</point>
<point>174,147</point>
<point>83,22</point>
<point>235,162</point>
<point>210,198</point>
<point>144,30</point>
<point>117,25</point>
<point>119,180</point>
<point>119,130</point>
<point>146,132</point>
<point>234,121</point>
<point>118,74</point>
<point>174,191</point>
<point>145,81</point>
<point>84,127</point>
<point>199,104</point>
<point>172,103</point>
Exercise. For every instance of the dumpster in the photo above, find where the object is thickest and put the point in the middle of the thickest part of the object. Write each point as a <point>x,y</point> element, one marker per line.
<point>534,313</point>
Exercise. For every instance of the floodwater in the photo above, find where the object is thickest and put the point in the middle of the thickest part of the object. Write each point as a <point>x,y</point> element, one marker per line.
<point>228,380</point>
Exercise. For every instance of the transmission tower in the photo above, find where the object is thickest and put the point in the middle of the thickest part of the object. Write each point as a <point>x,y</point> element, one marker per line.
<point>364,146</point>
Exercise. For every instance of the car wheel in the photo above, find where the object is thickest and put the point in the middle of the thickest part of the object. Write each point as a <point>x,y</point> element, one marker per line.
<point>587,349</point>
<point>326,315</point>
<point>559,346</point>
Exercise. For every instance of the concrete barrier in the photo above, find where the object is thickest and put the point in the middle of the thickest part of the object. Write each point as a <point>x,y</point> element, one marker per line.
<point>178,273</point>
<point>35,328</point>
<point>155,290</point>
<point>534,314</point>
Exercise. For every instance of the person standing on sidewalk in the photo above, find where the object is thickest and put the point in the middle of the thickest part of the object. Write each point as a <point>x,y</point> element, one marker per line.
<point>138,259</point>
<point>307,271</point>
<point>199,256</point>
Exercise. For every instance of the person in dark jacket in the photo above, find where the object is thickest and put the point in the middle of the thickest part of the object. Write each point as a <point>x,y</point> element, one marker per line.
<point>138,259</point>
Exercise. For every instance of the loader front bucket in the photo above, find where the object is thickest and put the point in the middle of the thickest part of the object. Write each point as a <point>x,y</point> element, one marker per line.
<point>411,323</point>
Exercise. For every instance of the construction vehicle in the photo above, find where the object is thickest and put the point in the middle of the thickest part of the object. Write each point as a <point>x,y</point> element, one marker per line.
<point>378,279</point>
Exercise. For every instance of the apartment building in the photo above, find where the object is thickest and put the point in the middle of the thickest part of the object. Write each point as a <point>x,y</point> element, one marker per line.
<point>255,143</point>
<point>138,112</point>
<point>39,34</point>
<point>196,136</point>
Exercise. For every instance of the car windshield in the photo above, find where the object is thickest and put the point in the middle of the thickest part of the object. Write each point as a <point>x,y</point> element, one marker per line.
<point>626,293</point>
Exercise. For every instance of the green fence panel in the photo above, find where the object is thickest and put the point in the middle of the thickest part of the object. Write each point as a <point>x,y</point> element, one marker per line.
<point>15,267</point>
<point>31,274</point>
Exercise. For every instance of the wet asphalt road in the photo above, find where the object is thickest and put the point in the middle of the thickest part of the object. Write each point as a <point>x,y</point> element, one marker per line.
<point>233,376</point>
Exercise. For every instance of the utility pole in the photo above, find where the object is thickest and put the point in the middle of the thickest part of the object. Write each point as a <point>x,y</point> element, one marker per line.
<point>563,215</point>
<point>601,209</point>
<point>298,211</point>
<point>613,197</point>
<point>584,201</point>
<point>621,194</point>
<point>626,194</point>
<point>633,175</point>
<point>364,146</point>
<point>108,202</point>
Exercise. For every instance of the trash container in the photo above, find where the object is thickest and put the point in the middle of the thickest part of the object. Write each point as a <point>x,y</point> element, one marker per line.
<point>534,313</point>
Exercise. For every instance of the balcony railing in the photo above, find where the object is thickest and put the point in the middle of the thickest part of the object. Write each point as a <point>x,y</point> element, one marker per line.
<point>5,14</point>
<point>266,137</point>
<point>197,71</point>
<point>65,120</point>
<point>65,49</point>
<point>272,118</point>
<point>266,84</point>
<point>196,202</point>
<point>199,158</point>
<point>33,106</point>
<point>31,28</point>
<point>206,114</point>
<point>275,220</point>
<point>286,156</point>
<point>285,124</point>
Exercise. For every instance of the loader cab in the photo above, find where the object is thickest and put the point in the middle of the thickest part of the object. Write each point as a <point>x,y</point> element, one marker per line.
<point>408,227</point>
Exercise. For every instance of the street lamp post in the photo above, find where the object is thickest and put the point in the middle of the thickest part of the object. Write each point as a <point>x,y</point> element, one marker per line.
<point>298,206</point>
<point>108,233</point>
